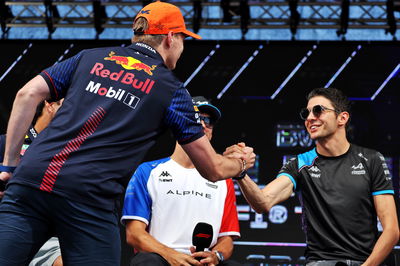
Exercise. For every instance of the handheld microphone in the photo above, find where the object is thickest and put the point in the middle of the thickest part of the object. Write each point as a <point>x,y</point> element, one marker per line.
<point>202,236</point>
<point>2,185</point>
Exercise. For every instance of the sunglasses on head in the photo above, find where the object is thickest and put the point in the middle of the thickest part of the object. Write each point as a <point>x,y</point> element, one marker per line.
<point>316,110</point>
<point>207,120</point>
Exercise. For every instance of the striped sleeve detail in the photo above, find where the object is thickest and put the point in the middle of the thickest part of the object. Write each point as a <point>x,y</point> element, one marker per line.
<point>124,218</point>
<point>181,118</point>
<point>50,83</point>
<point>383,192</point>
<point>291,179</point>
<point>59,76</point>
<point>231,234</point>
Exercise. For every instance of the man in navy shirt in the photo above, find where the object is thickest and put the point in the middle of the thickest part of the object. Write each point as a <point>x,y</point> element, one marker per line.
<point>118,100</point>
<point>342,188</point>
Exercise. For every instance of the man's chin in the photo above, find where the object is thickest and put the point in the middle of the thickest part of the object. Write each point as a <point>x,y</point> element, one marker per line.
<point>314,136</point>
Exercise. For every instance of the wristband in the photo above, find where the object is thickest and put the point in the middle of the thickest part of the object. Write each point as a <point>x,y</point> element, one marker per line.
<point>8,169</point>
<point>241,176</point>
<point>219,255</point>
<point>243,173</point>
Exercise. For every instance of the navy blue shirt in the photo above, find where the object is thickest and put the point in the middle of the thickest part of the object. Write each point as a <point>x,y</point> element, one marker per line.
<point>118,100</point>
<point>339,216</point>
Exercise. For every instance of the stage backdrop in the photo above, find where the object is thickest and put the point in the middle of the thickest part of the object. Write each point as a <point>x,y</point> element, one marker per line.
<point>260,88</point>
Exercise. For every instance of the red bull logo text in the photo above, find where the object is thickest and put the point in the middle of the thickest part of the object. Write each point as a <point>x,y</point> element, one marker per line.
<point>129,63</point>
<point>123,77</point>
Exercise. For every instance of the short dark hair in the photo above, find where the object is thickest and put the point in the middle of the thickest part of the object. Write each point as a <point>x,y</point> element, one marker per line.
<point>338,99</point>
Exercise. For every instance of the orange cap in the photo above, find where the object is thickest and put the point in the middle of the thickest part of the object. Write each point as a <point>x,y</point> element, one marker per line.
<point>163,18</point>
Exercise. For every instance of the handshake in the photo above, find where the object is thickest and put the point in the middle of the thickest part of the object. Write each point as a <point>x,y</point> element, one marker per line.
<point>245,154</point>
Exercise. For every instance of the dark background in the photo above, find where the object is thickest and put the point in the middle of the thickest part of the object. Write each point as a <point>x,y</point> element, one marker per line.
<point>250,115</point>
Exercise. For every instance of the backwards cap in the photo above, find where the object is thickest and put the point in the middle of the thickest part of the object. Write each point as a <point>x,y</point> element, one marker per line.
<point>163,18</point>
<point>205,106</point>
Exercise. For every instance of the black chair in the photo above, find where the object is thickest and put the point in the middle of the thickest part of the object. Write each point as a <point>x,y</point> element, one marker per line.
<point>391,260</point>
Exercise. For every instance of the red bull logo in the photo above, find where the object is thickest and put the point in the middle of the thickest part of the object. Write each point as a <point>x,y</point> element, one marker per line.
<point>129,63</point>
<point>124,77</point>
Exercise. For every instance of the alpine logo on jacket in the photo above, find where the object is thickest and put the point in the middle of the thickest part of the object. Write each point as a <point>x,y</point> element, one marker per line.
<point>358,169</point>
<point>314,171</point>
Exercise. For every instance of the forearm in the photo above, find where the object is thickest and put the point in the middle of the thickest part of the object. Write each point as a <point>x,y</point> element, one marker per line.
<point>222,168</point>
<point>386,211</point>
<point>225,246</point>
<point>253,195</point>
<point>18,125</point>
<point>263,200</point>
<point>21,117</point>
<point>211,165</point>
<point>144,242</point>
<point>383,247</point>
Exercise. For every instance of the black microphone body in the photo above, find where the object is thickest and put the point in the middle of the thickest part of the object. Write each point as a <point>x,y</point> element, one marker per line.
<point>202,236</point>
<point>2,186</point>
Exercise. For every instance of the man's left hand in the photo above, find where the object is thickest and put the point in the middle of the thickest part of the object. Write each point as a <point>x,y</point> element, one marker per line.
<point>209,258</point>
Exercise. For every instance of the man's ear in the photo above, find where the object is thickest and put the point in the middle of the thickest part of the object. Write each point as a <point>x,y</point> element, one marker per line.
<point>343,118</point>
<point>170,38</point>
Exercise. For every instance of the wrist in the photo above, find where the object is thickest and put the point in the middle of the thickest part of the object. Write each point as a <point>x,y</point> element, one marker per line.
<point>219,255</point>
<point>8,169</point>
<point>241,176</point>
<point>243,172</point>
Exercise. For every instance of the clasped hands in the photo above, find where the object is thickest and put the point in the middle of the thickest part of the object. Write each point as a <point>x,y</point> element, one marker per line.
<point>242,152</point>
<point>206,258</point>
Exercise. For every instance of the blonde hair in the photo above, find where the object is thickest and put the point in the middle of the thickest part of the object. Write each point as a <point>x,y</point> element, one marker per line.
<point>139,26</point>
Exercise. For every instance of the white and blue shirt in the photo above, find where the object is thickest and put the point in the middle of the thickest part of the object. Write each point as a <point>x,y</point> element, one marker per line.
<point>172,199</point>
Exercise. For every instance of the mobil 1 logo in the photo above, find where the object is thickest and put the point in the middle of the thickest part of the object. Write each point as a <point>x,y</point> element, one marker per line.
<point>131,100</point>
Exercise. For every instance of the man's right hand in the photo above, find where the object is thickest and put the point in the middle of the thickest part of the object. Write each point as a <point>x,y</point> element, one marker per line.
<point>176,258</point>
<point>243,152</point>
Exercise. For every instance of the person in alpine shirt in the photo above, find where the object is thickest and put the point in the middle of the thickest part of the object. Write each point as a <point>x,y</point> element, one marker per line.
<point>167,198</point>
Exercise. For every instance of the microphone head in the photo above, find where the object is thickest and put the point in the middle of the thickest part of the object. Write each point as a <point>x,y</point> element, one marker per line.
<point>202,236</point>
